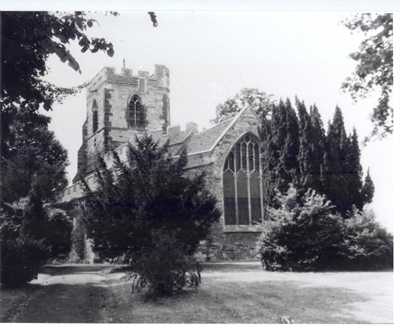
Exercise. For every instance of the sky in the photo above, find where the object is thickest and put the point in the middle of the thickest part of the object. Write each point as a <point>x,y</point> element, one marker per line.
<point>212,55</point>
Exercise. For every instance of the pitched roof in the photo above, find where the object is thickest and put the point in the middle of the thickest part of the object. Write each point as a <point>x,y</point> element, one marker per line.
<point>204,141</point>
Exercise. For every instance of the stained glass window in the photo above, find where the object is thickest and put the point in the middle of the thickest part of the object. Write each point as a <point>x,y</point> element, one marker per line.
<point>242,183</point>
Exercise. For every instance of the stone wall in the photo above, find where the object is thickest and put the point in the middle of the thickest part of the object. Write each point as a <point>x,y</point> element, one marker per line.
<point>225,244</point>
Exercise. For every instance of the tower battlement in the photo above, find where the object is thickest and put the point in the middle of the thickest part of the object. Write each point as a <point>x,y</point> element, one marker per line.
<point>120,106</point>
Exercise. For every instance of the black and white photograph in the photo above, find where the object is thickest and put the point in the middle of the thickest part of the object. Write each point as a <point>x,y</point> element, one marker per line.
<point>199,164</point>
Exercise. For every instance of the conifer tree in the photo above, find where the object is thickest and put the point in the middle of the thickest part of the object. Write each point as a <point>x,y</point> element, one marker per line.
<point>306,155</point>
<point>150,216</point>
<point>280,136</point>
<point>273,133</point>
<point>335,184</point>
<point>354,172</point>
<point>319,147</point>
<point>297,151</point>
<point>368,189</point>
<point>290,149</point>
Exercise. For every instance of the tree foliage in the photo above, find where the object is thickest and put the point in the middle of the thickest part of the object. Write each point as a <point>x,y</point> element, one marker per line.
<point>149,215</point>
<point>28,39</point>
<point>32,174</point>
<point>259,101</point>
<point>33,161</point>
<point>305,233</point>
<point>297,150</point>
<point>374,67</point>
<point>30,236</point>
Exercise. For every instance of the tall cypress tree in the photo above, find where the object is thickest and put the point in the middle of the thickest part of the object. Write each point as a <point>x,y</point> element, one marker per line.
<point>306,154</point>
<point>368,189</point>
<point>288,158</point>
<point>276,158</point>
<point>335,182</point>
<point>319,147</point>
<point>297,150</point>
<point>270,154</point>
<point>354,172</point>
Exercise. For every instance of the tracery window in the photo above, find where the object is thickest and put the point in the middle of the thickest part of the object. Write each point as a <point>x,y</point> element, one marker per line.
<point>136,115</point>
<point>242,183</point>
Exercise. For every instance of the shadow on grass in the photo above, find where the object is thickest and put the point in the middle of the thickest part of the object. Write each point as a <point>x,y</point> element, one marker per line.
<point>232,266</point>
<point>55,303</point>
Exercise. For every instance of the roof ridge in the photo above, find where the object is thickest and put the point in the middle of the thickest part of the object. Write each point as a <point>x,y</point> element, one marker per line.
<point>234,120</point>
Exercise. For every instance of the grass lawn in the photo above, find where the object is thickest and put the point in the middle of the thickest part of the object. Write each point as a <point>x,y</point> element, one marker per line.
<point>242,292</point>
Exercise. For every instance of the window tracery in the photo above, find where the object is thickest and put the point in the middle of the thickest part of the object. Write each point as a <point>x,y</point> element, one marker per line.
<point>136,116</point>
<point>242,183</point>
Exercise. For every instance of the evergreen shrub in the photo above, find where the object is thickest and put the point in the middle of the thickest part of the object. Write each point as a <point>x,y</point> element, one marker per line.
<point>151,217</point>
<point>307,234</point>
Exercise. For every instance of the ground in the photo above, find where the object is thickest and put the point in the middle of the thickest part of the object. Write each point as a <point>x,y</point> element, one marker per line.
<point>234,292</point>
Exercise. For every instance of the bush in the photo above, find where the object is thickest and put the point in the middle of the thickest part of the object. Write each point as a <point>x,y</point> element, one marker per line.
<point>368,245</point>
<point>21,257</point>
<point>150,217</point>
<point>306,234</point>
<point>21,260</point>
<point>53,227</point>
<point>30,237</point>
<point>165,268</point>
<point>301,235</point>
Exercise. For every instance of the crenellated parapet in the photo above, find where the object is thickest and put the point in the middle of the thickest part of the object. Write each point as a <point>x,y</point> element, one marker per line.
<point>120,106</point>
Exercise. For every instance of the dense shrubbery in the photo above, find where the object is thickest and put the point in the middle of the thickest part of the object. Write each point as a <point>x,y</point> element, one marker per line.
<point>21,260</point>
<point>150,216</point>
<point>307,234</point>
<point>367,244</point>
<point>30,237</point>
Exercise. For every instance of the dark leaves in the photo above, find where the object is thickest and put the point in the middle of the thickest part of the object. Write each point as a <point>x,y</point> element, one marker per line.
<point>374,69</point>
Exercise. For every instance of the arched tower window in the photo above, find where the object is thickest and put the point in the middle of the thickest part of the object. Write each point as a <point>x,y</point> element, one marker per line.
<point>95,117</point>
<point>136,115</point>
<point>242,183</point>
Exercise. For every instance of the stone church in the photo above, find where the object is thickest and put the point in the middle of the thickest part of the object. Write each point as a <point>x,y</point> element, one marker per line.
<point>120,106</point>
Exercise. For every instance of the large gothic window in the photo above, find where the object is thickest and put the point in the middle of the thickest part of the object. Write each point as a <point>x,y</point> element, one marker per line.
<point>242,183</point>
<point>95,119</point>
<point>136,115</point>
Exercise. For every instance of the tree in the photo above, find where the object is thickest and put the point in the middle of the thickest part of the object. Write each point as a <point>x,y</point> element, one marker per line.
<point>28,39</point>
<point>374,68</point>
<point>311,148</point>
<point>274,134</point>
<point>260,102</point>
<point>150,216</point>
<point>296,150</point>
<point>34,163</point>
<point>368,189</point>
<point>32,174</point>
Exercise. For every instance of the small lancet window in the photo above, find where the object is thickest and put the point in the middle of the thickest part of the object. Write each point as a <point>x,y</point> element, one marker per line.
<point>95,118</point>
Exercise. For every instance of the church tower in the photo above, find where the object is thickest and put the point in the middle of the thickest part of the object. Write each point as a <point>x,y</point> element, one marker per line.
<point>120,106</point>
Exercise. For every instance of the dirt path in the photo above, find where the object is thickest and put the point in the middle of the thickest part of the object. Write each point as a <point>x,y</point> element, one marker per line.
<point>64,294</point>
